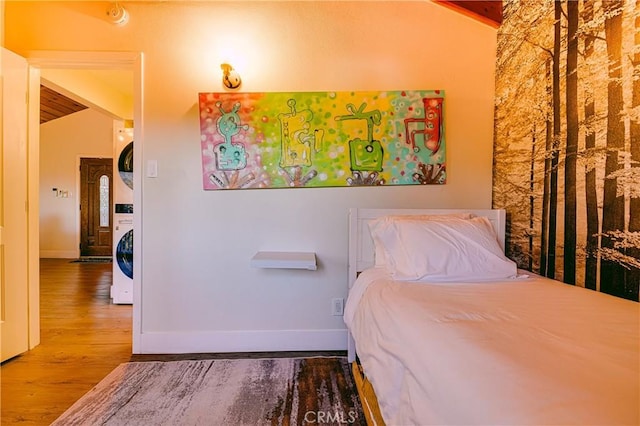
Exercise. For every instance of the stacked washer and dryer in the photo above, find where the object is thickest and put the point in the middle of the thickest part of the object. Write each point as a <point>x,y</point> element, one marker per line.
<point>122,286</point>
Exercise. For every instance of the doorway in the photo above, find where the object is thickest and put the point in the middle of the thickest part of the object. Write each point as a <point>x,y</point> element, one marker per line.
<point>96,200</point>
<point>104,61</point>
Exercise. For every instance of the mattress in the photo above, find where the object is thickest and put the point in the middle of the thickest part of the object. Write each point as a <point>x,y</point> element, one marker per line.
<point>528,350</point>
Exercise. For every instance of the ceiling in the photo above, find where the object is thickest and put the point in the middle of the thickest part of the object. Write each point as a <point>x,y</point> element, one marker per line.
<point>55,105</point>
<point>65,91</point>
<point>489,12</point>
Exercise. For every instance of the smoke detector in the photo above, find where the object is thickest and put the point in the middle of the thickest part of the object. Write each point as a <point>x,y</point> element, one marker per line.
<point>117,14</point>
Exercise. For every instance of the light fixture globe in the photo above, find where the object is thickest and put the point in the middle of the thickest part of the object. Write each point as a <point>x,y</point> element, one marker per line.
<point>230,77</point>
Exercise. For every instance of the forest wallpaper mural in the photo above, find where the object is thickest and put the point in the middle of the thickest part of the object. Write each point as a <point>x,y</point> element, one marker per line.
<point>320,139</point>
<point>567,140</point>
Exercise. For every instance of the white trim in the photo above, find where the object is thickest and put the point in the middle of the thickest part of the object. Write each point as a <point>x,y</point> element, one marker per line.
<point>33,215</point>
<point>138,137</point>
<point>243,341</point>
<point>82,60</point>
<point>58,254</point>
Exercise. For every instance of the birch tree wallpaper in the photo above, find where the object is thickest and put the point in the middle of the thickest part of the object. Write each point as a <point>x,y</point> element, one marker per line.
<point>567,140</point>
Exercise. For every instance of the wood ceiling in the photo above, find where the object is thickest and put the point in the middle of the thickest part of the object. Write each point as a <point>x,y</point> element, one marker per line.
<point>55,105</point>
<point>489,12</point>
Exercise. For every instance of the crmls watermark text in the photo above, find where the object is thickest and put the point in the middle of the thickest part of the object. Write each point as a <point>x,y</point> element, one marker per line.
<point>332,417</point>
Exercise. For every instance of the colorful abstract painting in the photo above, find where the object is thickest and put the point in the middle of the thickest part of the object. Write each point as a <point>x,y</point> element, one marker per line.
<point>322,139</point>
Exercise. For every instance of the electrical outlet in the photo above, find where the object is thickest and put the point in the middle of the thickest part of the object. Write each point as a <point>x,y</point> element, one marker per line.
<point>337,306</point>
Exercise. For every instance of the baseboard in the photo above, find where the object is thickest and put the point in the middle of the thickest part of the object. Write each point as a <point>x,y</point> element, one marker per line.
<point>242,341</point>
<point>58,254</point>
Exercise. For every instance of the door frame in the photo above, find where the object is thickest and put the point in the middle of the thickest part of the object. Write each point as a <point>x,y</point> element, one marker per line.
<point>86,60</point>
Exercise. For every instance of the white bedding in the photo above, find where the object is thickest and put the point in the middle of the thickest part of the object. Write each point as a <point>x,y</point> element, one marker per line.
<point>523,351</point>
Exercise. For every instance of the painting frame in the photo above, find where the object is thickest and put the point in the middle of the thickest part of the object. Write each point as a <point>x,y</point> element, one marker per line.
<point>254,140</point>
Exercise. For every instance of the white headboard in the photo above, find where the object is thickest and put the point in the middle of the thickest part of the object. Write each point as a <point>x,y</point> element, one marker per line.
<point>361,245</point>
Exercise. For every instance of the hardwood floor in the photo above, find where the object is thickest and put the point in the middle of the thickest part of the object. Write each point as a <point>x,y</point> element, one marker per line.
<point>83,338</point>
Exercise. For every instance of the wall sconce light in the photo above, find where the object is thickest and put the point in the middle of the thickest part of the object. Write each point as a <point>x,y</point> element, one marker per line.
<point>117,14</point>
<point>230,77</point>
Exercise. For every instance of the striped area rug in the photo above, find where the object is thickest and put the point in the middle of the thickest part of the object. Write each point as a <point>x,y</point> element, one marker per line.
<point>279,391</point>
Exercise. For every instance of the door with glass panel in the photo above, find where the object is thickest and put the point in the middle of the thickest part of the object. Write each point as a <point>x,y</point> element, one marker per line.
<point>96,195</point>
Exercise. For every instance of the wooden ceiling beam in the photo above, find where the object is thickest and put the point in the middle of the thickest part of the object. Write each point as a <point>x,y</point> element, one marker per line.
<point>55,105</point>
<point>489,12</point>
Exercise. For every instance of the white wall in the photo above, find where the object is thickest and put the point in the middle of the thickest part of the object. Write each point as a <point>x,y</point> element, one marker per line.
<point>198,290</point>
<point>86,133</point>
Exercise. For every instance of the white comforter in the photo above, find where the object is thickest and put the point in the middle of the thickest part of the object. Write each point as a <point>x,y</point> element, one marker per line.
<point>525,351</point>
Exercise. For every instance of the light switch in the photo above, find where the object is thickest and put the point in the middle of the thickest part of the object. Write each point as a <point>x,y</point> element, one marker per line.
<point>152,168</point>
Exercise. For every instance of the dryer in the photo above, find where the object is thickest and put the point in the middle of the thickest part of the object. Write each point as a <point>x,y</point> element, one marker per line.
<point>123,163</point>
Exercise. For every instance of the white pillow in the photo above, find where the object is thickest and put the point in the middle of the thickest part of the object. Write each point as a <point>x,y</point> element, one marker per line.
<point>381,224</point>
<point>443,251</point>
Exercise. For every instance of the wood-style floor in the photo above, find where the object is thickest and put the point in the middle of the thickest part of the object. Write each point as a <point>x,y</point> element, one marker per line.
<point>83,337</point>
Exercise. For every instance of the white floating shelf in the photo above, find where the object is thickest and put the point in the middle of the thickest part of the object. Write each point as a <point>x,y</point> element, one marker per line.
<point>284,260</point>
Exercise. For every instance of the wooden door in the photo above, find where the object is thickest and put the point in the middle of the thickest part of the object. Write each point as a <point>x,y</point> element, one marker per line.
<point>96,199</point>
<point>14,251</point>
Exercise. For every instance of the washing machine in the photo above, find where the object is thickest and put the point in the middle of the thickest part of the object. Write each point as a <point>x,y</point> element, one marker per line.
<point>122,285</point>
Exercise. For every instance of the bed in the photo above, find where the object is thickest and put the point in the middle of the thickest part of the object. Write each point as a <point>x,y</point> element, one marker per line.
<point>460,348</point>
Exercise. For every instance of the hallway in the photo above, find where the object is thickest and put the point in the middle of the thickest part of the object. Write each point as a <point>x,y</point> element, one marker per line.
<point>83,338</point>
